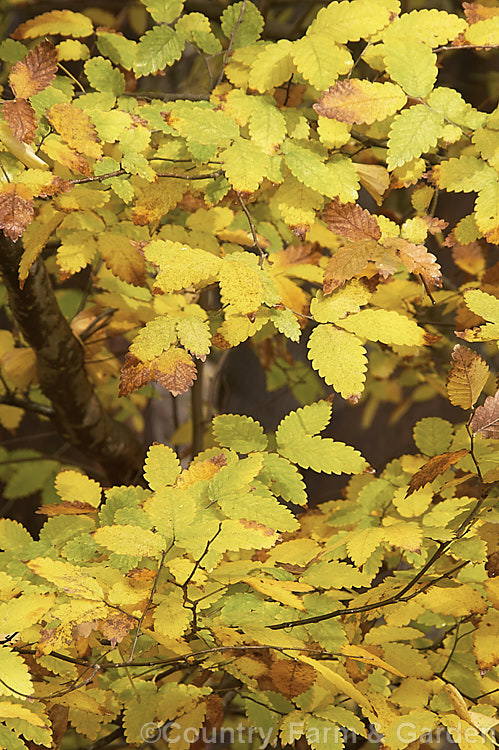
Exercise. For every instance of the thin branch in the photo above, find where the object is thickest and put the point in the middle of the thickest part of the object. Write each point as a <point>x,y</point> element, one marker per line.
<point>197,411</point>
<point>175,175</point>
<point>256,245</point>
<point>427,288</point>
<point>465,46</point>
<point>148,603</point>
<point>198,561</point>
<point>121,172</point>
<point>70,75</point>
<point>27,405</point>
<point>231,42</point>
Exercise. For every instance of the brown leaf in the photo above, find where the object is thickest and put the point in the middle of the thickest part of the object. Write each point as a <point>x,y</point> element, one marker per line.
<point>492,565</point>
<point>62,154</point>
<point>469,258</point>
<point>34,73</point>
<point>292,678</point>
<point>116,626</point>
<point>467,377</point>
<point>121,257</point>
<point>433,468</point>
<point>476,12</point>
<point>486,418</point>
<point>16,209</point>
<point>417,259</point>
<point>20,117</point>
<point>174,370</point>
<point>75,127</point>
<point>364,258</point>
<point>435,225</point>
<point>351,221</point>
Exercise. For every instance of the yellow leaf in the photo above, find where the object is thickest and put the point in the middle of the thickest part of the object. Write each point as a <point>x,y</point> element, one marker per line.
<point>467,377</point>
<point>340,358</point>
<point>72,486</point>
<point>171,616</point>
<point>362,654</point>
<point>458,601</point>
<point>122,257</point>
<point>67,578</point>
<point>75,127</point>
<point>241,288</point>
<point>386,326</point>
<point>360,101</point>
<point>279,591</point>
<point>130,540</point>
<point>338,682</point>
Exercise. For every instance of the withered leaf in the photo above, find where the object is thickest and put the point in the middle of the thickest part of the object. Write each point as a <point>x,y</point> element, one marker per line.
<point>75,127</point>
<point>20,117</point>
<point>476,12</point>
<point>292,678</point>
<point>34,73</point>
<point>470,258</point>
<point>65,508</point>
<point>16,209</point>
<point>363,258</point>
<point>417,259</point>
<point>351,221</point>
<point>434,467</point>
<point>174,370</point>
<point>122,258</point>
<point>486,418</point>
<point>467,377</point>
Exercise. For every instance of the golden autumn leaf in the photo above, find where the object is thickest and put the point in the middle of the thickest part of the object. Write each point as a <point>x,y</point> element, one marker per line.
<point>76,508</point>
<point>417,259</point>
<point>122,258</point>
<point>155,199</point>
<point>486,642</point>
<point>351,221</point>
<point>76,129</point>
<point>486,418</point>
<point>173,369</point>
<point>63,22</point>
<point>467,377</point>
<point>292,678</point>
<point>16,209</point>
<point>34,73</point>
<point>62,154</point>
<point>470,258</point>
<point>20,116</point>
<point>476,12</point>
<point>363,258</point>
<point>434,467</point>
<point>360,101</point>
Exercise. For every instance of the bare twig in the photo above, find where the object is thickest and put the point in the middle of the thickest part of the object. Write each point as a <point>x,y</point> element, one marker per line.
<point>256,245</point>
<point>27,405</point>
<point>231,42</point>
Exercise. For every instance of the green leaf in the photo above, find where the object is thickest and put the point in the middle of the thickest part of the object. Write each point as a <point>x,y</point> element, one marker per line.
<point>203,127</point>
<point>413,132</point>
<point>132,540</point>
<point>102,76</point>
<point>239,433</point>
<point>340,358</point>
<point>332,307</point>
<point>323,455</point>
<point>286,323</point>
<point>157,336</point>
<point>11,51</point>
<point>336,179</point>
<point>283,479</point>
<point>259,506</point>
<point>272,67</point>
<point>450,104</point>
<point>487,210</point>
<point>195,28</point>
<point>306,421</point>
<point>433,435</point>
<point>157,49</point>
<point>411,64</point>
<point>11,740</point>
<point>161,467</point>
<point>13,536</point>
<point>465,174</point>
<point>387,326</point>
<point>164,11</point>
<point>194,334</point>
<point>319,61</point>
<point>117,48</point>
<point>243,23</point>
<point>181,266</point>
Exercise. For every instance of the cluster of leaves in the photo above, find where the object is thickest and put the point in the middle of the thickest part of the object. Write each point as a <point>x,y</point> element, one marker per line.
<point>206,220</point>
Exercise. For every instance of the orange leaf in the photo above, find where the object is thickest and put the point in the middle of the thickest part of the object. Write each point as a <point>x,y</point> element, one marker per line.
<point>35,72</point>
<point>434,467</point>
<point>364,258</point>
<point>62,154</point>
<point>174,370</point>
<point>16,209</point>
<point>122,258</point>
<point>486,418</point>
<point>20,117</point>
<point>467,377</point>
<point>74,126</point>
<point>351,221</point>
<point>417,259</point>
<point>470,258</point>
<point>292,678</point>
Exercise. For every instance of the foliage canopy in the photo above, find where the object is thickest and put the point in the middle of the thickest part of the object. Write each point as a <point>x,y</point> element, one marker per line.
<point>285,191</point>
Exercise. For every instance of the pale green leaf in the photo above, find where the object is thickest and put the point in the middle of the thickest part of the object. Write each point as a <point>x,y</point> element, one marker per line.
<point>319,61</point>
<point>132,540</point>
<point>267,125</point>
<point>272,67</point>
<point>433,435</point>
<point>309,420</point>
<point>15,674</point>
<point>157,49</point>
<point>240,433</point>
<point>164,11</point>
<point>161,466</point>
<point>465,174</point>
<point>413,132</point>
<point>286,323</point>
<point>194,334</point>
<point>117,48</point>
<point>172,616</point>
<point>102,76</point>
<point>340,358</point>
<point>412,64</point>
<point>245,165</point>
<point>242,23</point>
<point>195,28</point>
<point>336,179</point>
<point>283,479</point>
<point>351,21</point>
<point>323,455</point>
<point>332,307</point>
<point>483,304</point>
<point>156,337</point>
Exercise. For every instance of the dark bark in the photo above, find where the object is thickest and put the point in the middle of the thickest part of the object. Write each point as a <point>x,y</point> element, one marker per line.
<point>78,413</point>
